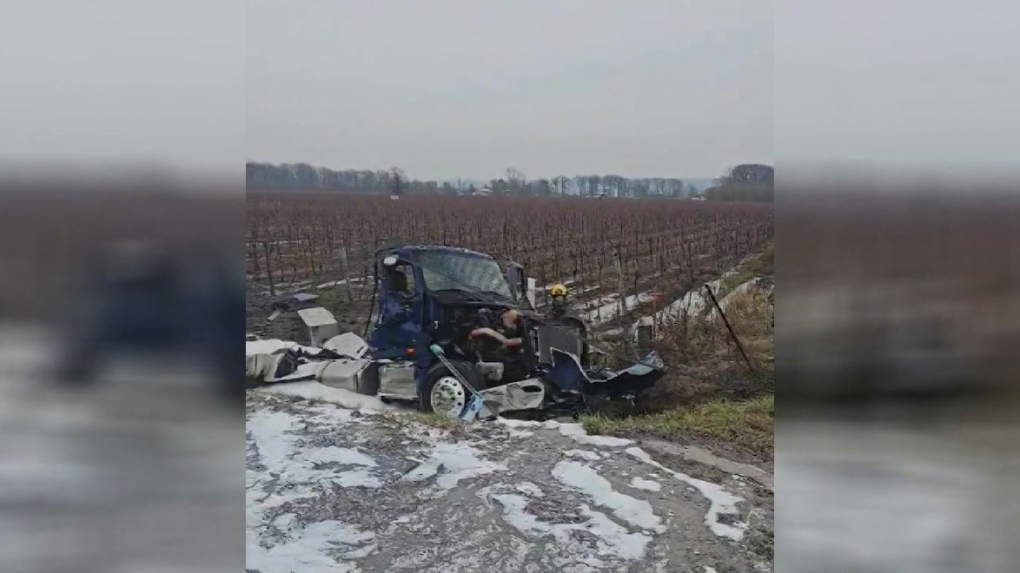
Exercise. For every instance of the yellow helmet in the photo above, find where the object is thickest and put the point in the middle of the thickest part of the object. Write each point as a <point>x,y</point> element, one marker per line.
<point>557,290</point>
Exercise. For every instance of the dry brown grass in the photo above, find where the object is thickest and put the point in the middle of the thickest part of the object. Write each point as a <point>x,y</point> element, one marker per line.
<point>709,392</point>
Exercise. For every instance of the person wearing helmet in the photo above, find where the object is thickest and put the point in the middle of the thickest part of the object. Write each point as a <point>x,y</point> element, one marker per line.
<point>558,294</point>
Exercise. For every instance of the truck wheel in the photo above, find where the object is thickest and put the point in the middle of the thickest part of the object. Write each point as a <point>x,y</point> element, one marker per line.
<point>444,394</point>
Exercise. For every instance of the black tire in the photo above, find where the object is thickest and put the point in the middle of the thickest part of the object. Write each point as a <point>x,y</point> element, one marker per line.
<point>439,371</point>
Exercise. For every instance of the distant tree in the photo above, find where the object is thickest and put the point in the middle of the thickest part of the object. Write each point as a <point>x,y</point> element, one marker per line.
<point>751,173</point>
<point>745,182</point>
<point>616,184</point>
<point>499,186</point>
<point>742,182</point>
<point>561,184</point>
<point>398,177</point>
<point>515,179</point>
<point>642,188</point>
<point>542,187</point>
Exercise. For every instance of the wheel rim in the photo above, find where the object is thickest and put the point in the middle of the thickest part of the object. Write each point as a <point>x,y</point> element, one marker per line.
<point>448,397</point>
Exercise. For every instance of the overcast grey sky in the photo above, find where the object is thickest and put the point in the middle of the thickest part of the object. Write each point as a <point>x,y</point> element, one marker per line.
<point>449,88</point>
<point>897,82</point>
<point>158,82</point>
<point>446,88</point>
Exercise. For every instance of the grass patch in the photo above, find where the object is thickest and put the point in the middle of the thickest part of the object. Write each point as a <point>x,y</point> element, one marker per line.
<point>748,424</point>
<point>332,298</point>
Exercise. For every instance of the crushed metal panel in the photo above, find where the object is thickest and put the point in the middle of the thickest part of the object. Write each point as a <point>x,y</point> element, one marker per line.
<point>343,374</point>
<point>567,373</point>
<point>523,395</point>
<point>347,344</point>
<point>261,366</point>
<point>396,380</point>
<point>321,323</point>
<point>283,365</point>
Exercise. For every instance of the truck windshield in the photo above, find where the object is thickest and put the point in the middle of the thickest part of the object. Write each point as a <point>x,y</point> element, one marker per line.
<point>460,272</point>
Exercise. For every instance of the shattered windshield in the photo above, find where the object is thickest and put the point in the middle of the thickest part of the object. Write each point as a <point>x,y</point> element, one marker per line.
<point>459,272</point>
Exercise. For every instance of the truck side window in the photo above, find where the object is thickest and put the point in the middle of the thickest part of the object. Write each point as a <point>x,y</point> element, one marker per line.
<point>401,280</point>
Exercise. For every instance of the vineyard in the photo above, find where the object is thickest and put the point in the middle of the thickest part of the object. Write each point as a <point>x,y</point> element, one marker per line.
<point>604,249</point>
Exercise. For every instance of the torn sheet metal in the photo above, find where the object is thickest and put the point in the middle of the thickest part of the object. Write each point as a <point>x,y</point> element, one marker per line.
<point>396,380</point>
<point>284,365</point>
<point>347,344</point>
<point>568,375</point>
<point>305,297</point>
<point>523,395</point>
<point>349,374</point>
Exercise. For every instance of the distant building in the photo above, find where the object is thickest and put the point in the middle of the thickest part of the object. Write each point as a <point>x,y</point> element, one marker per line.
<point>484,191</point>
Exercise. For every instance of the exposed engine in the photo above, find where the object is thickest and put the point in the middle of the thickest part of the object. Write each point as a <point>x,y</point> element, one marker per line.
<point>500,341</point>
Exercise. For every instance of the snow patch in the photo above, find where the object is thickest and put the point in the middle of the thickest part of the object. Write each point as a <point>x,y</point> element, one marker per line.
<point>586,454</point>
<point>341,282</point>
<point>637,512</point>
<point>693,303</point>
<point>349,456</point>
<point>530,489</point>
<point>457,462</point>
<point>274,435</point>
<point>613,539</point>
<point>576,431</point>
<point>272,345</point>
<point>514,423</point>
<point>310,549</point>
<point>645,484</point>
<point>720,501</point>
<point>312,390</point>
<point>610,307</point>
<point>570,430</point>
<point>357,478</point>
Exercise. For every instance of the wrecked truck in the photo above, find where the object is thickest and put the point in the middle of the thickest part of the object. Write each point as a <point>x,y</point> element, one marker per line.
<point>488,328</point>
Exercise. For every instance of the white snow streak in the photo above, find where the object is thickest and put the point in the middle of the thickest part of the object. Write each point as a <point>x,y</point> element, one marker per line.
<point>645,484</point>
<point>720,501</point>
<point>637,512</point>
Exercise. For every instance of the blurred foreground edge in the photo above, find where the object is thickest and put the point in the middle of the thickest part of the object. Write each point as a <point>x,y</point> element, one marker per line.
<point>897,329</point>
<point>896,290</point>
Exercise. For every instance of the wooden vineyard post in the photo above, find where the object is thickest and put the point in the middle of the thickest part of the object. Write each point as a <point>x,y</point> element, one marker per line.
<point>346,273</point>
<point>644,336</point>
<point>619,281</point>
<point>269,269</point>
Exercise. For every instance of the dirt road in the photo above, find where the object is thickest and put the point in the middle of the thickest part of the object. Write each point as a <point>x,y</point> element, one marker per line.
<point>331,488</point>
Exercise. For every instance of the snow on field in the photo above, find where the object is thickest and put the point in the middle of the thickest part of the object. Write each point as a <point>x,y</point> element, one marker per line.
<point>340,489</point>
<point>609,307</point>
<point>312,390</point>
<point>645,484</point>
<point>571,430</point>
<point>721,502</point>
<point>636,512</point>
<point>693,303</point>
<point>459,462</point>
